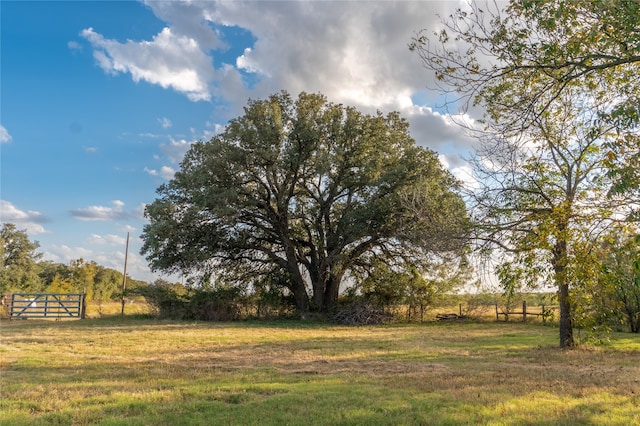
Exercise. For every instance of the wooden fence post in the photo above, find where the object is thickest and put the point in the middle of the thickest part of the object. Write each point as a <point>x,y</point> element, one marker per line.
<point>524,311</point>
<point>83,306</point>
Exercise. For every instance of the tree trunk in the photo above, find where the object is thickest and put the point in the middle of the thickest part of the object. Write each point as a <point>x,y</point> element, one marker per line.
<point>302,300</point>
<point>331,292</point>
<point>318,291</point>
<point>566,324</point>
<point>298,287</point>
<point>562,283</point>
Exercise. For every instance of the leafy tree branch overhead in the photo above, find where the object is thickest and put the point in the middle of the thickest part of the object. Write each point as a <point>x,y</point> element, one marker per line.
<point>514,62</point>
<point>313,189</point>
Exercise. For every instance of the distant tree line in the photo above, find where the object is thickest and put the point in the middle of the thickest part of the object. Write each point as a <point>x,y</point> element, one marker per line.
<point>23,270</point>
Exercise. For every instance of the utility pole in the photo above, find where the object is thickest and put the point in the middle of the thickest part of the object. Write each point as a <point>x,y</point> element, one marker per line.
<point>124,275</point>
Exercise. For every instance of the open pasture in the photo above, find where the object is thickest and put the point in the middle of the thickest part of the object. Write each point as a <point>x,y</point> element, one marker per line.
<point>115,371</point>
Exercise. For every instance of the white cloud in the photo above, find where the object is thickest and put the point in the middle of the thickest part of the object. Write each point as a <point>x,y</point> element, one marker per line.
<point>246,63</point>
<point>353,52</point>
<point>430,128</point>
<point>461,169</point>
<point>190,19</point>
<point>65,254</point>
<point>152,172</point>
<point>139,213</point>
<point>151,135</point>
<point>4,135</point>
<point>165,172</point>
<point>165,122</point>
<point>115,212</point>
<point>176,149</point>
<point>29,220</point>
<point>74,46</point>
<point>129,228</point>
<point>109,239</point>
<point>169,60</point>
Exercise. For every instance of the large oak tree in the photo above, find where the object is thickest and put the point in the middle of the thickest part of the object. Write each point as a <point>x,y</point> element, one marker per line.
<point>309,192</point>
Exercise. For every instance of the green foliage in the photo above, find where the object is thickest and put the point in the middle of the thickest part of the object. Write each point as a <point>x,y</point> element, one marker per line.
<point>513,62</point>
<point>213,303</point>
<point>416,289</point>
<point>619,281</point>
<point>107,284</point>
<point>385,286</point>
<point>218,304</point>
<point>80,276</point>
<point>312,190</point>
<point>60,285</point>
<point>271,297</point>
<point>83,275</point>
<point>18,261</point>
<point>166,300</point>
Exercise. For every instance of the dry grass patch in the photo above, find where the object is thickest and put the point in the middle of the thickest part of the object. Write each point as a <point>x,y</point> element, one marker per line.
<point>152,372</point>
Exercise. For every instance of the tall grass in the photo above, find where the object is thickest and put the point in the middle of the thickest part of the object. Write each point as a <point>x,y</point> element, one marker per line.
<point>116,371</point>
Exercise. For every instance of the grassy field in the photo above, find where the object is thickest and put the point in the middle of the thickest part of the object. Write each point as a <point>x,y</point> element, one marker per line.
<point>128,371</point>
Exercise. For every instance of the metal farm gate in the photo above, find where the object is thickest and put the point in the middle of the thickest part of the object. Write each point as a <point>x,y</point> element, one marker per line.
<point>47,305</point>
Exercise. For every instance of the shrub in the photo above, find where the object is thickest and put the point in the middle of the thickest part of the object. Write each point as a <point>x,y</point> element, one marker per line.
<point>219,304</point>
<point>164,301</point>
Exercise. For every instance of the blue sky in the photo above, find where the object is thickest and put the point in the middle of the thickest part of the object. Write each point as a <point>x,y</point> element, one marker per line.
<point>99,100</point>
